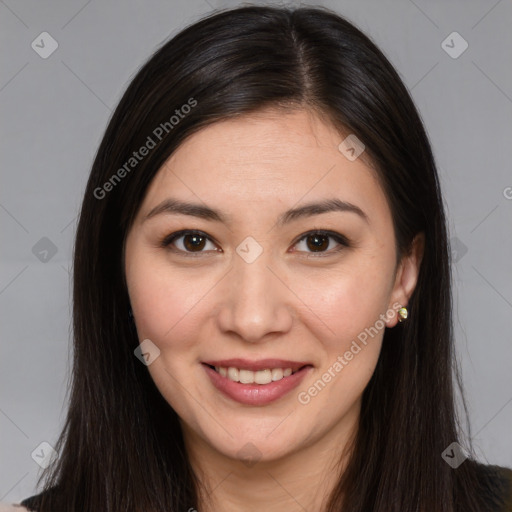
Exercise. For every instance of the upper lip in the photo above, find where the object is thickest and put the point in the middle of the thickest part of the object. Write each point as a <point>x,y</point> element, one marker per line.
<point>261,364</point>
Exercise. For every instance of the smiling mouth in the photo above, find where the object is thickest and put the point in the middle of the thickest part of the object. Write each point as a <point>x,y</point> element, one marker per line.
<point>264,376</point>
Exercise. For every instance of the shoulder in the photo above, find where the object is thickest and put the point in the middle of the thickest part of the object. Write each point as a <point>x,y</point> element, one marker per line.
<point>496,485</point>
<point>492,473</point>
<point>12,507</point>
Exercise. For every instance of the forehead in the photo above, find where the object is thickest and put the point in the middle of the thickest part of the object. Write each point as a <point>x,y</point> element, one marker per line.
<point>266,159</point>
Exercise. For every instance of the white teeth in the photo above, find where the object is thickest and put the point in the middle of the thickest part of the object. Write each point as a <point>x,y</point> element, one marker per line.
<point>249,377</point>
<point>277,374</point>
<point>246,376</point>
<point>233,374</point>
<point>263,376</point>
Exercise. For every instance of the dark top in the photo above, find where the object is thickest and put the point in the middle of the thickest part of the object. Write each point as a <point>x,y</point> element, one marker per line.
<point>496,482</point>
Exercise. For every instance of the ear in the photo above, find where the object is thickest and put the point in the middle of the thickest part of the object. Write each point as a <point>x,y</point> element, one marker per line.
<point>406,277</point>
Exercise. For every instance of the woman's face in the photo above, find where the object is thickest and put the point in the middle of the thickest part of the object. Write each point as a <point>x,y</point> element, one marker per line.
<point>258,283</point>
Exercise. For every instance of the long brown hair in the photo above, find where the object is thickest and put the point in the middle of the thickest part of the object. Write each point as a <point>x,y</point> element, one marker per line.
<point>121,448</point>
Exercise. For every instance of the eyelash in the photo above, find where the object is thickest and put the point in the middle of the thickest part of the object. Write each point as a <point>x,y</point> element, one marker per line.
<point>341,239</point>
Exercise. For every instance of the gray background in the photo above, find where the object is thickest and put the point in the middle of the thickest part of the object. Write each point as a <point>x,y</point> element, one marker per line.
<point>54,112</point>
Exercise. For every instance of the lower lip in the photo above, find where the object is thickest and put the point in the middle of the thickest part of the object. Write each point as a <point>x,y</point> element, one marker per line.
<point>256,394</point>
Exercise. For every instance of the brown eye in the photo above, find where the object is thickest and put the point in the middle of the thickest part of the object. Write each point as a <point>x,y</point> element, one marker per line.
<point>317,242</point>
<point>187,242</point>
<point>320,242</point>
<point>193,242</point>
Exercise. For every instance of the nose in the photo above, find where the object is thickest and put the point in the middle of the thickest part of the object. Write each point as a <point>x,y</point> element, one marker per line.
<point>256,301</point>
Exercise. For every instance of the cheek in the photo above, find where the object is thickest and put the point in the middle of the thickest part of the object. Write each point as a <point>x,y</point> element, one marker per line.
<point>172,305</point>
<point>351,306</point>
<point>162,304</point>
<point>167,305</point>
<point>347,301</point>
<point>158,299</point>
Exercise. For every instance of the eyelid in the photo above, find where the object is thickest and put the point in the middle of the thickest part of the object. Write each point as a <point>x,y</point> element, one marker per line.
<point>342,240</point>
<point>169,239</point>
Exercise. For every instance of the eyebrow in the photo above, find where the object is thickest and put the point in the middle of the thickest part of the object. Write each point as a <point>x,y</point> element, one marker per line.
<point>178,207</point>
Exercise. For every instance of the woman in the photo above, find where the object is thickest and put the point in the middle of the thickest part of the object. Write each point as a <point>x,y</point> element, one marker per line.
<point>262,300</point>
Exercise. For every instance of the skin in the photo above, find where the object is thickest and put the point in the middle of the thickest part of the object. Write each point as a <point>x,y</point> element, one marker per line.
<point>291,302</point>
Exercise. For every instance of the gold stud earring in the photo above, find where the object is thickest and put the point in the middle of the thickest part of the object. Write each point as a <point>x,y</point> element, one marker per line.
<point>402,314</point>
